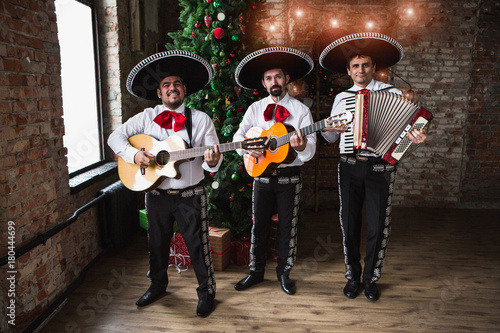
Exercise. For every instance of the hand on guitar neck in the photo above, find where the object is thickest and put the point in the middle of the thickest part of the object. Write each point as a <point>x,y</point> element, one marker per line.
<point>144,158</point>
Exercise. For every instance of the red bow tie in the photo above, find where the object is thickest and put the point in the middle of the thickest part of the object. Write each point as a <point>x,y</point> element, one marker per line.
<point>281,113</point>
<point>164,119</point>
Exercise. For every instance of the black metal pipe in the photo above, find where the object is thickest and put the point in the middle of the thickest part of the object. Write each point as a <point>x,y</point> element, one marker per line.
<point>42,239</point>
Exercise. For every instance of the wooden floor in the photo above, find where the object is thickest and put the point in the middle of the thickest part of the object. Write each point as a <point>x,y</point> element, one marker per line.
<point>441,274</point>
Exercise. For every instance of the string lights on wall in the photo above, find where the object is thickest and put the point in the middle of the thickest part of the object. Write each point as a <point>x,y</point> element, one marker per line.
<point>299,10</point>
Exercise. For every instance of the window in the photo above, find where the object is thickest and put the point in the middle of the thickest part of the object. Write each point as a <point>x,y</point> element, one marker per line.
<point>80,84</point>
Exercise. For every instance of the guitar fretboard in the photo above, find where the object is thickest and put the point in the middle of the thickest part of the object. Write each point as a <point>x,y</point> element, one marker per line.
<point>317,126</point>
<point>200,151</point>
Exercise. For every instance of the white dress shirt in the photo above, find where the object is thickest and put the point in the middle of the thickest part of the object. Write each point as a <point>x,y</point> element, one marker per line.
<point>203,132</point>
<point>372,86</point>
<point>300,117</point>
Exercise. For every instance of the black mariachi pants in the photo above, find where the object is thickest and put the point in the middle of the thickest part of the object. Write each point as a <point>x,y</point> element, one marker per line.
<point>189,208</point>
<point>281,194</point>
<point>370,182</point>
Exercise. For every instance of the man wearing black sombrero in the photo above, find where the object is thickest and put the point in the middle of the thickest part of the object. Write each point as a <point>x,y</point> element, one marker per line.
<point>167,77</point>
<point>364,178</point>
<point>273,68</point>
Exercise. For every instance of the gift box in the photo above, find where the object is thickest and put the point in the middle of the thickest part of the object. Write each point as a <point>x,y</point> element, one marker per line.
<point>220,246</point>
<point>179,255</point>
<point>143,221</point>
<point>241,252</point>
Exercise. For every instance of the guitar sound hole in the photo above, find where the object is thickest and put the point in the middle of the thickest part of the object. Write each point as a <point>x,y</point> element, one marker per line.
<point>273,144</point>
<point>162,158</point>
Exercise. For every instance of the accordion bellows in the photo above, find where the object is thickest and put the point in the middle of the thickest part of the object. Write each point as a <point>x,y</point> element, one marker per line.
<point>381,121</point>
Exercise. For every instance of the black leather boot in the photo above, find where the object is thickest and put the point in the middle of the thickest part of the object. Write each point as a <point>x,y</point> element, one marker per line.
<point>154,292</point>
<point>287,285</point>
<point>250,280</point>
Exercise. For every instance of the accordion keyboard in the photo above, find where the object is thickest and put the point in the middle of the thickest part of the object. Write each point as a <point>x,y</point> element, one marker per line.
<point>347,138</point>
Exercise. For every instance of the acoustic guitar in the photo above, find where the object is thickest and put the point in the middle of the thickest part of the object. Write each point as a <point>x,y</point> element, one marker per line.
<point>278,149</point>
<point>169,153</point>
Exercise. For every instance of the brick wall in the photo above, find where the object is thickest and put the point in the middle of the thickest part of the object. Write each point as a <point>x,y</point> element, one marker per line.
<point>479,185</point>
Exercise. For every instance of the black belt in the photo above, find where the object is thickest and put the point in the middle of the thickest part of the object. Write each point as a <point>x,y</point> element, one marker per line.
<point>360,158</point>
<point>287,171</point>
<point>185,190</point>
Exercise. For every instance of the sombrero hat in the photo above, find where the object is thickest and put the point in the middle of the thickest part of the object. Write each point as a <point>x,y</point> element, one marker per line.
<point>339,47</point>
<point>144,78</point>
<point>249,71</point>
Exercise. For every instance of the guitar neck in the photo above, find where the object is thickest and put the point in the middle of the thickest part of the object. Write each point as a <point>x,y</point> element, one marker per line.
<point>317,126</point>
<point>200,151</point>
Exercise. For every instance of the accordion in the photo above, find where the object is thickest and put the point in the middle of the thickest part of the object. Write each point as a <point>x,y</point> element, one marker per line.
<point>381,120</point>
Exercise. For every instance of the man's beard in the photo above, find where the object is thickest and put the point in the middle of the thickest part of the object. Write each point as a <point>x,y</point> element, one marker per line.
<point>276,92</point>
<point>173,105</point>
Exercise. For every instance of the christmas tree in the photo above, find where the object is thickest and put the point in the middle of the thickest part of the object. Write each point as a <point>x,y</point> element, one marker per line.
<point>223,32</point>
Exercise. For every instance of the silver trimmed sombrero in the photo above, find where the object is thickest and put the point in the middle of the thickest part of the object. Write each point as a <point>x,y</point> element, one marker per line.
<point>144,78</point>
<point>384,50</point>
<point>249,71</point>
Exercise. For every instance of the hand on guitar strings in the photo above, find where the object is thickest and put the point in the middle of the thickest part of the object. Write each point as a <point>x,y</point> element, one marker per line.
<point>417,136</point>
<point>143,158</point>
<point>212,157</point>
<point>298,142</point>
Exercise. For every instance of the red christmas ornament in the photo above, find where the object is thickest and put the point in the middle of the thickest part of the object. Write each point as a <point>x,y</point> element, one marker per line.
<point>241,18</point>
<point>254,7</point>
<point>194,35</point>
<point>209,1</point>
<point>228,62</point>
<point>232,55</point>
<point>231,198</point>
<point>219,33</point>
<point>197,25</point>
<point>208,20</point>
<point>215,66</point>
<point>240,167</point>
<point>212,174</point>
<point>255,93</point>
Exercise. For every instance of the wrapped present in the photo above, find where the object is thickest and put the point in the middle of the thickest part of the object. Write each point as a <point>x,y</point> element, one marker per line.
<point>220,246</point>
<point>179,255</point>
<point>241,252</point>
<point>143,221</point>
